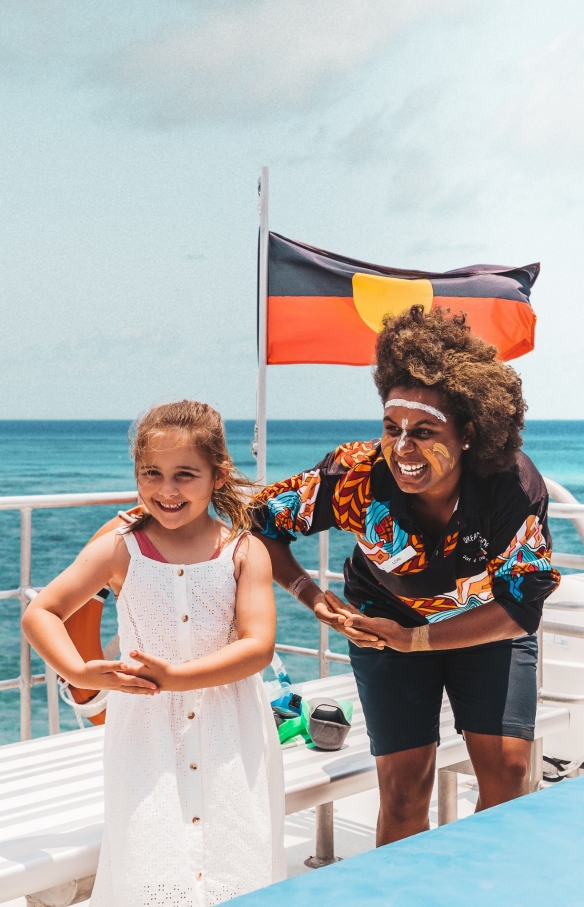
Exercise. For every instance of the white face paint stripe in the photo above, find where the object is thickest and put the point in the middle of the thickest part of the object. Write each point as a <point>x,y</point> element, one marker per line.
<point>402,438</point>
<point>413,404</point>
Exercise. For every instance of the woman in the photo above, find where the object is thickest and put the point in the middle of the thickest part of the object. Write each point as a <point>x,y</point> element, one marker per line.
<point>450,521</point>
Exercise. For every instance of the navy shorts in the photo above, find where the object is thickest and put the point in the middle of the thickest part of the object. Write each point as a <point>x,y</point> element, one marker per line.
<point>492,689</point>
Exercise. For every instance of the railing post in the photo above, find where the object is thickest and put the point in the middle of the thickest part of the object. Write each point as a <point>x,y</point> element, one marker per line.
<point>537,748</point>
<point>52,700</point>
<point>324,825</point>
<point>25,582</point>
<point>325,838</point>
<point>50,682</point>
<point>323,562</point>
<point>447,796</point>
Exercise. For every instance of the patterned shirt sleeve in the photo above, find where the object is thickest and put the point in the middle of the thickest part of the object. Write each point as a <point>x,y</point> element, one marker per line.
<point>305,503</point>
<point>521,574</point>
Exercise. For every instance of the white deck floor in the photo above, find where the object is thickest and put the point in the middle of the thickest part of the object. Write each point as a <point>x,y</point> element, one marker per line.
<point>355,819</point>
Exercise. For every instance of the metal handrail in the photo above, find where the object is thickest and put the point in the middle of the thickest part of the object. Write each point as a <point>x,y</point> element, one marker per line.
<point>567,698</point>
<point>550,626</point>
<point>25,592</point>
<point>564,606</point>
<point>46,501</point>
<point>566,511</point>
<point>574,561</point>
<point>565,507</point>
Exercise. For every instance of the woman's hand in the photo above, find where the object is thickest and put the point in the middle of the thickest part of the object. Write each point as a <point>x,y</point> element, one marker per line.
<point>334,612</point>
<point>388,632</point>
<point>111,675</point>
<point>156,670</point>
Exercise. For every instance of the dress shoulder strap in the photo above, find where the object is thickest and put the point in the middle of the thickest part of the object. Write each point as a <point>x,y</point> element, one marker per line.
<point>130,540</point>
<point>234,544</point>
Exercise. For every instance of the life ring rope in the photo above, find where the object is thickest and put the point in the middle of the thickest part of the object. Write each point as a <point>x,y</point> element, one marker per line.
<point>98,703</point>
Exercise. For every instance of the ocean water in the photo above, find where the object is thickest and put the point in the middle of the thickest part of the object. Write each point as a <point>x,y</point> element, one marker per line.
<point>88,456</point>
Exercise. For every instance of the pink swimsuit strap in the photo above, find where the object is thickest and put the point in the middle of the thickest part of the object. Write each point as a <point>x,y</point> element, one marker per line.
<point>150,550</point>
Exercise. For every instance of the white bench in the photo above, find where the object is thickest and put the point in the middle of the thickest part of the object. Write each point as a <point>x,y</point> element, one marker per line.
<point>51,793</point>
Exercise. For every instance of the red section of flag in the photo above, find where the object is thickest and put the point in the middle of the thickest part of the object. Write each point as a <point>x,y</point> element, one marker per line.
<point>328,329</point>
<point>506,323</point>
<point>318,329</point>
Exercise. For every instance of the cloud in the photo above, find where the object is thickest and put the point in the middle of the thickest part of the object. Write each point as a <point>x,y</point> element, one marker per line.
<point>548,115</point>
<point>366,142</point>
<point>180,62</point>
<point>508,137</point>
<point>252,58</point>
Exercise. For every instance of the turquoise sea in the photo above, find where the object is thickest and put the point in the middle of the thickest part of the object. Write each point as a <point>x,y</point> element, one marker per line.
<point>88,456</point>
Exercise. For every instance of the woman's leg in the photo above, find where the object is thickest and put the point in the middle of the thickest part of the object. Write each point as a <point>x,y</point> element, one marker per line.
<point>502,766</point>
<point>405,788</point>
<point>401,695</point>
<point>493,692</point>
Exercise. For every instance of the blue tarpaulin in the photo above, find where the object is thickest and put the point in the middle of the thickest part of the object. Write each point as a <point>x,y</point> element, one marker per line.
<point>527,853</point>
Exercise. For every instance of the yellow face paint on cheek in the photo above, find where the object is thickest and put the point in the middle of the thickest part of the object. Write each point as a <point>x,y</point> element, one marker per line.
<point>441,449</point>
<point>433,460</point>
<point>387,444</point>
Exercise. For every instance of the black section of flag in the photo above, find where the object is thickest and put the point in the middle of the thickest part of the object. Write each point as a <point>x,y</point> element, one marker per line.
<point>296,269</point>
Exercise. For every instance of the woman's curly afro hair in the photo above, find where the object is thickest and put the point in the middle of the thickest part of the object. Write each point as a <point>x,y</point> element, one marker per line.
<point>438,350</point>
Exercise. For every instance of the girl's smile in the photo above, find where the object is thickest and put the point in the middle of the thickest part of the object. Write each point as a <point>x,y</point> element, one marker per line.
<point>168,507</point>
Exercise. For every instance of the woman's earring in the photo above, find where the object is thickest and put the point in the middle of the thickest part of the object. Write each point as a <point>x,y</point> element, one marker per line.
<point>465,446</point>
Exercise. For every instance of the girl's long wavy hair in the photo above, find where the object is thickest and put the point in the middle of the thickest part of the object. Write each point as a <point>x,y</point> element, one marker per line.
<point>199,425</point>
<point>438,350</point>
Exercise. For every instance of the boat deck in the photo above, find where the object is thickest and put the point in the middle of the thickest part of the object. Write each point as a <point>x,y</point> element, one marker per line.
<point>53,787</point>
<point>355,820</point>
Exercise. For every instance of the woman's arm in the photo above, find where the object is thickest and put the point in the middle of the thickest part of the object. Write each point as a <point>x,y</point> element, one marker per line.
<point>43,621</point>
<point>289,574</point>
<point>255,621</point>
<point>487,623</point>
<point>520,553</point>
<point>304,504</point>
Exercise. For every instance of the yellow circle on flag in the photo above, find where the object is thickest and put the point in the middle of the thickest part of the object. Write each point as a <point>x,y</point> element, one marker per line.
<point>375,297</point>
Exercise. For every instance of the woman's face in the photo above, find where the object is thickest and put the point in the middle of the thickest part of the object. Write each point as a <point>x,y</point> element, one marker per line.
<point>421,442</point>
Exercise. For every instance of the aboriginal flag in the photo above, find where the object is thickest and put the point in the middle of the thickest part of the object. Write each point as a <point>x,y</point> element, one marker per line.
<point>324,308</point>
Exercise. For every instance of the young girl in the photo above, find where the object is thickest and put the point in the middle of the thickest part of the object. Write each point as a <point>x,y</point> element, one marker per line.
<point>194,790</point>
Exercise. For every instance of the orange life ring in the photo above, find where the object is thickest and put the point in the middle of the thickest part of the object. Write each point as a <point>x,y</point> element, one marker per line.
<point>84,627</point>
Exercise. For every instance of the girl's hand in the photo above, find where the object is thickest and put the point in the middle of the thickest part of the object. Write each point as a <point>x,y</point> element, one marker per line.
<point>335,613</point>
<point>154,669</point>
<point>109,675</point>
<point>389,632</point>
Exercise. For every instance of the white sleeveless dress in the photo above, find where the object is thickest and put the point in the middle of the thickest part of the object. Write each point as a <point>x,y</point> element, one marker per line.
<point>194,785</point>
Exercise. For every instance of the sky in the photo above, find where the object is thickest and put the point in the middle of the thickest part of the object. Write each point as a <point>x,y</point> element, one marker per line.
<point>427,134</point>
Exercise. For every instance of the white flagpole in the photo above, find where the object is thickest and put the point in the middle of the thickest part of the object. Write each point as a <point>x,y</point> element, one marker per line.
<point>261,412</point>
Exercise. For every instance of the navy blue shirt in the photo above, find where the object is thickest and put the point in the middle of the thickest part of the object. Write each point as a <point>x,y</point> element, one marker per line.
<point>496,546</point>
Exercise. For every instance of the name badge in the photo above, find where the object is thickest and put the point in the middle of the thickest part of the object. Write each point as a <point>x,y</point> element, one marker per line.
<point>398,559</point>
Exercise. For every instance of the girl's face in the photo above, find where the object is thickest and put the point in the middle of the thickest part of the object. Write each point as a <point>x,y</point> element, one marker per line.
<point>175,483</point>
<point>421,442</point>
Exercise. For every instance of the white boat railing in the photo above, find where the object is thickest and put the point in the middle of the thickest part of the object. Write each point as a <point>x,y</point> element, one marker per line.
<point>26,679</point>
<point>565,506</point>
